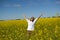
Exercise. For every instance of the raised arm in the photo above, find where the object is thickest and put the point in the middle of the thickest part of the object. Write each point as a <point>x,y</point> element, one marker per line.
<point>40,16</point>
<point>37,18</point>
<point>24,16</point>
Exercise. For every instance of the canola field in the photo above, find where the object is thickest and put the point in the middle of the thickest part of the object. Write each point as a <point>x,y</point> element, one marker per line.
<point>45,29</point>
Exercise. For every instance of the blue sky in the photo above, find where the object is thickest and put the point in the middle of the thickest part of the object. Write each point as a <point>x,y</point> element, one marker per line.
<point>13,9</point>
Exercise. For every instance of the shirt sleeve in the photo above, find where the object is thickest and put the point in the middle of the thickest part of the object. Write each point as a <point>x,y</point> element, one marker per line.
<point>35,20</point>
<point>27,20</point>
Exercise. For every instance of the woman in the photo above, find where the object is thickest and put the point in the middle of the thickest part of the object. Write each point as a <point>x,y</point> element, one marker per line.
<point>31,23</point>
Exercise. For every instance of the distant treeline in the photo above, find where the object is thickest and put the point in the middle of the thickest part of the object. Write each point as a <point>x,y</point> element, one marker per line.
<point>1,20</point>
<point>44,17</point>
<point>54,17</point>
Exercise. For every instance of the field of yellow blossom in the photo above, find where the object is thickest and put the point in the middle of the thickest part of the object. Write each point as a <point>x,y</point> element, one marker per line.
<point>45,29</point>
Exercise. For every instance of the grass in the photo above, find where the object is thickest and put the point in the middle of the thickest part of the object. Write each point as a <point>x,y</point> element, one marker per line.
<point>45,29</point>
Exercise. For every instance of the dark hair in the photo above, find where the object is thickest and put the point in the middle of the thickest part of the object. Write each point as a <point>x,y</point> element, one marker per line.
<point>32,19</point>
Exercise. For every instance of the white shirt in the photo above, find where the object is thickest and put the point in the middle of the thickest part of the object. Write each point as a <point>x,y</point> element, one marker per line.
<point>31,24</point>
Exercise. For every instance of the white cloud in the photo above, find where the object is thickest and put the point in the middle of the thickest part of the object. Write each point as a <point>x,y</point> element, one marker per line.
<point>16,5</point>
<point>58,2</point>
<point>12,5</point>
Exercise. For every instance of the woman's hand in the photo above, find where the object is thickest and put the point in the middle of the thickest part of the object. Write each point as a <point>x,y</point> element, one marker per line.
<point>24,16</point>
<point>40,15</point>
